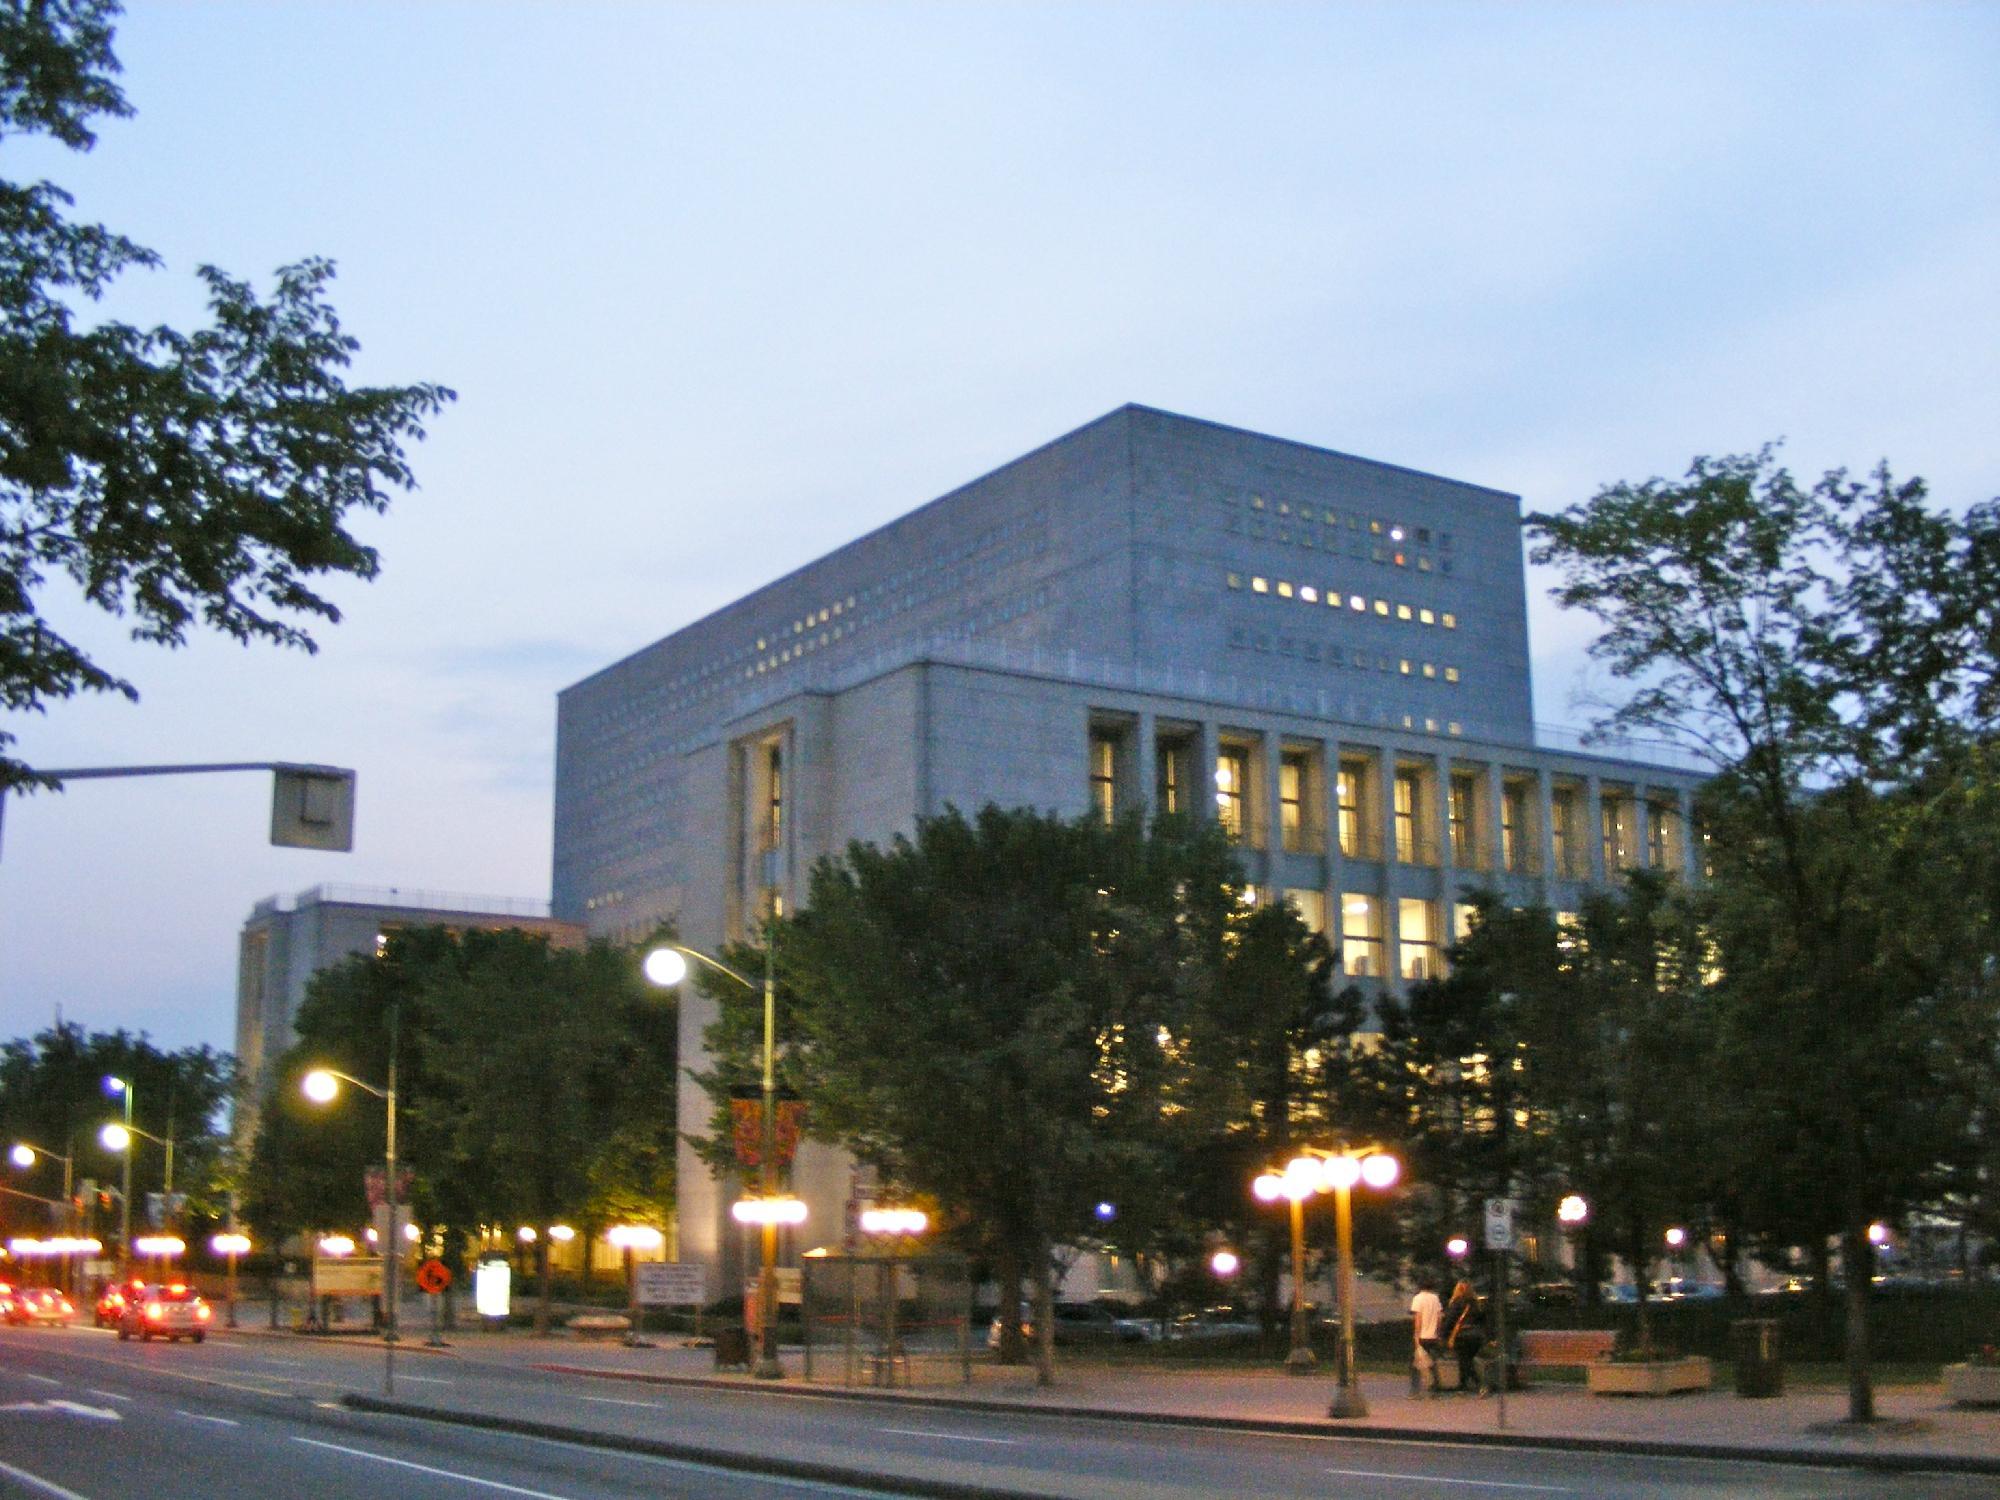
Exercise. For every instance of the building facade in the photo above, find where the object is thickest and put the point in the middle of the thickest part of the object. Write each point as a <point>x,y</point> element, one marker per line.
<point>1150,614</point>
<point>288,939</point>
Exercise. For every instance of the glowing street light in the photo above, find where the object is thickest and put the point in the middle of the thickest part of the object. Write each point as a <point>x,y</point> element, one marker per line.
<point>1458,1247</point>
<point>322,1086</point>
<point>231,1245</point>
<point>1224,1263</point>
<point>1572,1210</point>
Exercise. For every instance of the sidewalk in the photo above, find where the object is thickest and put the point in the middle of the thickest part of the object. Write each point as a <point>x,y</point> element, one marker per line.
<point>1918,1428</point>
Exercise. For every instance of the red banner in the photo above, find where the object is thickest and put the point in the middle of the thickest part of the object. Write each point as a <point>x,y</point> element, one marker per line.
<point>747,1130</point>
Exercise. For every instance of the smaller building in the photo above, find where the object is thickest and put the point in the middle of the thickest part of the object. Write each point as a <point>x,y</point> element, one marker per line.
<point>288,939</point>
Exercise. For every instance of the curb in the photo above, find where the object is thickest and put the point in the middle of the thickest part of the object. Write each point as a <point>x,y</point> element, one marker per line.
<point>1880,1463</point>
<point>714,1458</point>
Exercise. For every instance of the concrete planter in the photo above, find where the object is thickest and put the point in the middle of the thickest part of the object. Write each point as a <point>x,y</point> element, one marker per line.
<point>1972,1385</point>
<point>1658,1377</point>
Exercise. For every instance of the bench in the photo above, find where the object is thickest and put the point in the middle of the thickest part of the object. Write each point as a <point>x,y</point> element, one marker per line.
<point>599,1325</point>
<point>1564,1346</point>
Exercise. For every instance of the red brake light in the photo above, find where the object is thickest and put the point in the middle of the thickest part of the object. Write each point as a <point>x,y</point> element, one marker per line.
<point>201,1313</point>
<point>177,1288</point>
<point>153,1309</point>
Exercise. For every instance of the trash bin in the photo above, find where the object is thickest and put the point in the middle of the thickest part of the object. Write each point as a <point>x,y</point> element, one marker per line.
<point>732,1347</point>
<point>1760,1371</point>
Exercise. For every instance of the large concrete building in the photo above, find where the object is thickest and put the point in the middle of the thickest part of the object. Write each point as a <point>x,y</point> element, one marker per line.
<point>1328,654</point>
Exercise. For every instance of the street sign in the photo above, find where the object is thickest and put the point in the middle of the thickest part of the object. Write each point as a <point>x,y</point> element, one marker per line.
<point>433,1276</point>
<point>668,1283</point>
<point>1499,1223</point>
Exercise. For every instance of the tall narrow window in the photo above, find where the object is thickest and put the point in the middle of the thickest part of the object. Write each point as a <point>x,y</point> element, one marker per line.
<point>1347,795</point>
<point>1169,778</point>
<point>1562,808</point>
<point>1616,818</point>
<point>1360,934</point>
<point>1510,831</point>
<point>1656,837</point>
<point>1462,850</point>
<point>1232,774</point>
<point>1292,777</point>
<point>1104,777</point>
<point>1418,948</point>
<point>774,796</point>
<point>1406,817</point>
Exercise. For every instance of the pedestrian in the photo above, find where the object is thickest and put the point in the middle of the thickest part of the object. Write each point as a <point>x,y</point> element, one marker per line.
<point>1465,1335</point>
<point>1426,1331</point>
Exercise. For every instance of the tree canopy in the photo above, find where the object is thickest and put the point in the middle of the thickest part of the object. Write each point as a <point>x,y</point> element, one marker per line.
<point>173,477</point>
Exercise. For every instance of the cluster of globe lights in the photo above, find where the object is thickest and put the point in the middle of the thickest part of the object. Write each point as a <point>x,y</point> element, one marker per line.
<point>894,1221</point>
<point>1305,1175</point>
<point>768,1211</point>
<point>28,1248</point>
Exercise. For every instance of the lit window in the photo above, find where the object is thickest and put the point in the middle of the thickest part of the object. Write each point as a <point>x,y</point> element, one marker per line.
<point>1418,947</point>
<point>1430,670</point>
<point>1104,776</point>
<point>1355,601</point>
<point>1426,617</point>
<point>1256,502</point>
<point>1430,726</point>
<point>1375,527</point>
<point>1402,561</point>
<point>1403,612</point>
<point>1308,593</point>
<point>1259,585</point>
<point>1311,907</point>
<point>1360,935</point>
<point>1423,563</point>
<point>1232,771</point>
<point>1450,620</point>
<point>1236,580</point>
<point>1453,727</point>
<point>1451,674</point>
<point>1395,533</point>
<point>1382,608</point>
<point>1403,666</point>
<point>1331,518</point>
<point>1284,589</point>
<point>1284,508</point>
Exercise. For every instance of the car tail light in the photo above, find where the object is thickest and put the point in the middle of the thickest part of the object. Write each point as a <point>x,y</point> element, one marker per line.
<point>153,1309</point>
<point>201,1313</point>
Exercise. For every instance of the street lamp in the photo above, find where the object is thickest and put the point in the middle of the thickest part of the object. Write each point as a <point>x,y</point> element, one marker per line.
<point>1336,1172</point>
<point>231,1245</point>
<point>24,1155</point>
<point>893,1228</point>
<point>123,1087</point>
<point>118,1138</point>
<point>666,966</point>
<point>626,1238</point>
<point>1299,1181</point>
<point>322,1085</point>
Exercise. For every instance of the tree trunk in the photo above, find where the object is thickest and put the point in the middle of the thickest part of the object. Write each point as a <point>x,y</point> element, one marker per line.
<point>1857,1262</point>
<point>1822,1272</point>
<point>1642,1267</point>
<point>1007,1274</point>
<point>1045,1319</point>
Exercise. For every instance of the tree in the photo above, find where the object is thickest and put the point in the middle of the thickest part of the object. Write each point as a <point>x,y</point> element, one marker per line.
<point>52,1095</point>
<point>994,1013</point>
<point>174,477</point>
<point>1832,652</point>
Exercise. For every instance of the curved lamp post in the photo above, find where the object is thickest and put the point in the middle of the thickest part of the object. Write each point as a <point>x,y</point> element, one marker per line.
<point>666,966</point>
<point>322,1086</point>
<point>118,1138</point>
<point>24,1155</point>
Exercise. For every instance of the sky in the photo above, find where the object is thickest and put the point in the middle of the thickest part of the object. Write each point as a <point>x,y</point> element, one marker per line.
<point>723,286</point>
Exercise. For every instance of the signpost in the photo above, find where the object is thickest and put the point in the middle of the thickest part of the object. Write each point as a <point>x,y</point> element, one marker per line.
<point>1500,1240</point>
<point>669,1283</point>
<point>433,1276</point>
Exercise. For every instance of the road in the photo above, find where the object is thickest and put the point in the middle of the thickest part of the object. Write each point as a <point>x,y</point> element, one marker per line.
<point>83,1415</point>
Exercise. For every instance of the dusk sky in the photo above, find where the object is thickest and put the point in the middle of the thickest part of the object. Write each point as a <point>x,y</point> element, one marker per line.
<point>723,286</point>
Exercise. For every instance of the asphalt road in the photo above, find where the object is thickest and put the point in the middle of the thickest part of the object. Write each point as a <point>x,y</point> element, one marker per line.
<point>88,1416</point>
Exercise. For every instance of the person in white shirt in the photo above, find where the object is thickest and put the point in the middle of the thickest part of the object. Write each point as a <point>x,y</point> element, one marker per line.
<point>1426,1320</point>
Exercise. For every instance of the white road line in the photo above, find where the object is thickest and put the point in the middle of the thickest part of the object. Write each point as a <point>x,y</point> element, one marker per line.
<point>404,1463</point>
<point>107,1395</point>
<point>618,1401</point>
<point>39,1484</point>
<point>428,1379</point>
<point>1484,1484</point>
<point>196,1416</point>
<point>38,1379</point>
<point>960,1437</point>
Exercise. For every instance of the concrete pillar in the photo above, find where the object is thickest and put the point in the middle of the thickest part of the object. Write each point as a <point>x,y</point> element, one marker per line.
<point>1496,810</point>
<point>1385,897</point>
<point>1329,756</point>
<point>1201,791</point>
<point>1271,751</point>
<point>1146,764</point>
<point>1447,857</point>
<point>1545,829</point>
<point>1642,832</point>
<point>1690,847</point>
<point>1593,817</point>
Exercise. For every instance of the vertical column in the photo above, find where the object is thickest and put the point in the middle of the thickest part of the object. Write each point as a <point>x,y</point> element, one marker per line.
<point>1329,758</point>
<point>1642,832</point>
<point>1447,856</point>
<point>1271,751</point>
<point>1201,775</point>
<point>1385,898</point>
<point>1545,828</point>
<point>1145,765</point>
<point>1690,846</point>
<point>1496,812</point>
<point>1593,816</point>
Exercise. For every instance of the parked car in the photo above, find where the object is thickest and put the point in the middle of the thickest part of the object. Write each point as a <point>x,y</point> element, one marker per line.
<point>170,1312</point>
<point>1080,1323</point>
<point>1214,1323</point>
<point>38,1304</point>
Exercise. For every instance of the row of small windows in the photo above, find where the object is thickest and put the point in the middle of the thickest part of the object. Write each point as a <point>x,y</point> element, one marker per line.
<point>1360,604</point>
<point>1395,531</point>
<point>1241,638</point>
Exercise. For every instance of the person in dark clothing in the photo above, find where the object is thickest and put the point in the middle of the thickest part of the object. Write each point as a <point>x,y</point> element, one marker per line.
<point>1465,1335</point>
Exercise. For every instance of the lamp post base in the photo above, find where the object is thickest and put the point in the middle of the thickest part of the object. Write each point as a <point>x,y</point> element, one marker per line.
<point>1301,1361</point>
<point>1347,1402</point>
<point>767,1368</point>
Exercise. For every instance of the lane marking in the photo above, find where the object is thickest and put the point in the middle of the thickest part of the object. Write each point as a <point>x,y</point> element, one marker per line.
<point>782,1481</point>
<point>404,1463</point>
<point>107,1395</point>
<point>38,1379</point>
<point>619,1401</point>
<point>71,1408</point>
<point>960,1437</point>
<point>36,1482</point>
<point>1484,1484</point>
<point>197,1416</point>
<point>428,1379</point>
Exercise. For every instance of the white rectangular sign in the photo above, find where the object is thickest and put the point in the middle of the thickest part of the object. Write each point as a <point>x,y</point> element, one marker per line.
<point>1499,1223</point>
<point>669,1283</point>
